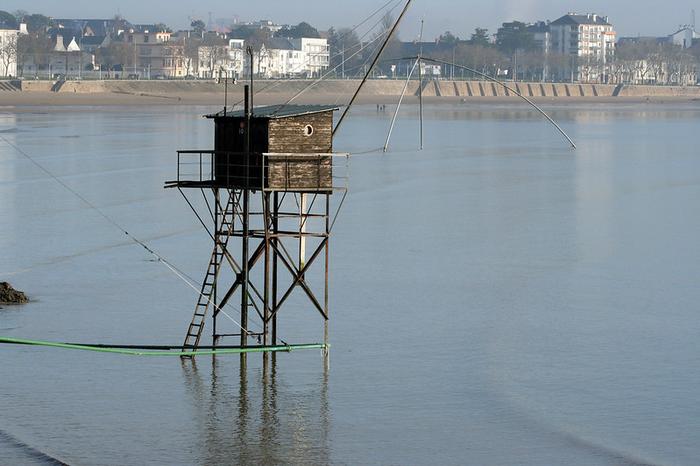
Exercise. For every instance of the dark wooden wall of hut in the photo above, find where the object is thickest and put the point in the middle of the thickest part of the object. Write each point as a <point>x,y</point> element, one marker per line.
<point>229,142</point>
<point>288,136</point>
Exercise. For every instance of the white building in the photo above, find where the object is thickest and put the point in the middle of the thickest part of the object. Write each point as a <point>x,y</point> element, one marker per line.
<point>316,54</point>
<point>590,40</point>
<point>8,50</point>
<point>228,59</point>
<point>236,57</point>
<point>292,58</point>
<point>684,37</point>
<point>431,70</point>
<point>286,59</point>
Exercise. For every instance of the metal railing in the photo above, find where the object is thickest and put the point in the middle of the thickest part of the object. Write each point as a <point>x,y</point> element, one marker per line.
<point>307,172</point>
<point>195,166</point>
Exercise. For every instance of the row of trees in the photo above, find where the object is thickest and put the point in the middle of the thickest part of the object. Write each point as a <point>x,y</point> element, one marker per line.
<point>647,61</point>
<point>514,54</point>
<point>477,52</point>
<point>663,63</point>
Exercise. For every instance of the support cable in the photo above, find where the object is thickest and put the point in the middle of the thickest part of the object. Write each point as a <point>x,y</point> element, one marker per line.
<point>175,270</point>
<point>506,86</point>
<point>211,212</point>
<point>374,63</point>
<point>206,228</point>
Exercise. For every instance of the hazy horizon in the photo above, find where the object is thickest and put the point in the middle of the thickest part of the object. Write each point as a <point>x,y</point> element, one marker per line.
<point>440,15</point>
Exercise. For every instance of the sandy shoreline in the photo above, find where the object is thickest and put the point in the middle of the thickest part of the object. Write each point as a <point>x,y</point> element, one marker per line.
<point>53,99</point>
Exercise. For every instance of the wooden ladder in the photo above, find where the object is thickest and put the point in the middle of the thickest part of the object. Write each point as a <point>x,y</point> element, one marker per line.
<point>206,294</point>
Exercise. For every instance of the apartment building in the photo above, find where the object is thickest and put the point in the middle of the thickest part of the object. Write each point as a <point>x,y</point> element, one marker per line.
<point>589,40</point>
<point>315,53</point>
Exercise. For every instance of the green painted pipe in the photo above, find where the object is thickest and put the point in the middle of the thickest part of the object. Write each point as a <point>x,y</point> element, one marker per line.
<point>265,349</point>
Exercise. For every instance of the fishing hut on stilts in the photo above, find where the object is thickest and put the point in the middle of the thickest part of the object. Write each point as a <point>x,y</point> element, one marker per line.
<point>270,178</point>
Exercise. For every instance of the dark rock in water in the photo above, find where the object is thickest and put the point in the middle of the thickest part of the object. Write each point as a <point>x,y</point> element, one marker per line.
<point>9,295</point>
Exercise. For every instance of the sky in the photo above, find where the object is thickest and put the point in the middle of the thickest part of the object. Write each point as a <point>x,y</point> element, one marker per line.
<point>630,17</point>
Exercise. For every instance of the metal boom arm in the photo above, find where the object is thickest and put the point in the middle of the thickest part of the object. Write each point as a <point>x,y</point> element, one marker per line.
<point>501,83</point>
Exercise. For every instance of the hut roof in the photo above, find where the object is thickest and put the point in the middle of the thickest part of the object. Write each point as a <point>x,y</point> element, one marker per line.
<point>277,111</point>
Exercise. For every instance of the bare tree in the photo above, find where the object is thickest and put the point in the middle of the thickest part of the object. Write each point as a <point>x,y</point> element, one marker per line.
<point>644,62</point>
<point>392,48</point>
<point>531,65</point>
<point>630,64</point>
<point>33,48</point>
<point>657,66</point>
<point>114,55</point>
<point>8,54</point>
<point>484,59</point>
<point>344,45</point>
<point>681,67</point>
<point>212,57</point>
<point>191,54</point>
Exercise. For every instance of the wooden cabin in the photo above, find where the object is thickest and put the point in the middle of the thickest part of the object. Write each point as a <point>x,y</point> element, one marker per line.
<point>287,147</point>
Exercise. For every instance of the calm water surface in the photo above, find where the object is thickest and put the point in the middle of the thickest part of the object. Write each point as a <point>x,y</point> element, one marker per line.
<point>496,298</point>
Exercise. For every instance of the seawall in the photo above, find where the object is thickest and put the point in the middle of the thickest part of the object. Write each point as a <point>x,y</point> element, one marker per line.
<point>327,92</point>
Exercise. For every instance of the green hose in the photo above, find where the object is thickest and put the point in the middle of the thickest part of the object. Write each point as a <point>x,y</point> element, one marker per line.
<point>258,349</point>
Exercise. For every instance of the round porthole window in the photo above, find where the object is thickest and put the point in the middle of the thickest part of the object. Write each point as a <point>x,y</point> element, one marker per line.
<point>308,130</point>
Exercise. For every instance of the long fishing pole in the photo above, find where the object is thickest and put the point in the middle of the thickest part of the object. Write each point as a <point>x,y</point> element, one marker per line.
<point>371,67</point>
<point>420,82</point>
<point>501,83</point>
<point>398,107</point>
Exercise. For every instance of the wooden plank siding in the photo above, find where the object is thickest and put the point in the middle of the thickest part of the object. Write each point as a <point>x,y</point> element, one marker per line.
<point>306,135</point>
<point>290,172</point>
<point>289,136</point>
